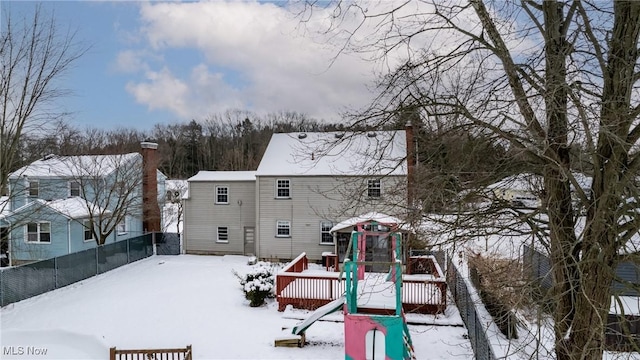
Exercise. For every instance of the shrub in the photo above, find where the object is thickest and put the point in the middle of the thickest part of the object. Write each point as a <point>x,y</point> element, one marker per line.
<point>258,283</point>
<point>499,288</point>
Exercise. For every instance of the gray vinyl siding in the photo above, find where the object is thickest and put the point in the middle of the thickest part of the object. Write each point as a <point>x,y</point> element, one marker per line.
<point>313,199</point>
<point>202,216</point>
<point>627,279</point>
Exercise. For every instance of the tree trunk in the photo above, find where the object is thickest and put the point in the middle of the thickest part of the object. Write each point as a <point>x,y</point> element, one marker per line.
<point>558,192</point>
<point>600,241</point>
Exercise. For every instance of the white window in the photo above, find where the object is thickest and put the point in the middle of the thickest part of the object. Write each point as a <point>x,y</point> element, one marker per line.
<point>88,233</point>
<point>283,190</point>
<point>325,236</point>
<point>283,228</point>
<point>223,234</point>
<point>34,188</point>
<point>74,188</point>
<point>222,195</point>
<point>38,232</point>
<point>122,227</point>
<point>373,188</point>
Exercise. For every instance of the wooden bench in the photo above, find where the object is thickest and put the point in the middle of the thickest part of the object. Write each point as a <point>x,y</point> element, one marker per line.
<point>151,354</point>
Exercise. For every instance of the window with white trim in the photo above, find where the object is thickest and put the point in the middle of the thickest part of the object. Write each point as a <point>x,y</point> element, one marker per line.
<point>325,236</point>
<point>222,194</point>
<point>283,228</point>
<point>74,188</point>
<point>88,233</point>
<point>34,190</point>
<point>38,232</point>
<point>223,234</point>
<point>283,189</point>
<point>121,228</point>
<point>373,188</point>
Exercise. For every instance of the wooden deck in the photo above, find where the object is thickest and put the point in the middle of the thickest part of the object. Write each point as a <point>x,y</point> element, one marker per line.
<point>304,289</point>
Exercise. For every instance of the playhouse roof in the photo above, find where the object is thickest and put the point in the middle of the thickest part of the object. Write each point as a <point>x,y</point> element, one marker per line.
<point>371,216</point>
<point>335,154</point>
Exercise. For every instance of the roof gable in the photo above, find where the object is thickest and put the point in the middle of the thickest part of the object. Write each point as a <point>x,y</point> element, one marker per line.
<point>335,154</point>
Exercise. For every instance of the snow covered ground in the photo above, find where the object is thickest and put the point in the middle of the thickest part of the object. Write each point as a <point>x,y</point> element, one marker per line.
<point>173,301</point>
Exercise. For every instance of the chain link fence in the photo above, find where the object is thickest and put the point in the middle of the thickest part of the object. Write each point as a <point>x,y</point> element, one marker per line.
<point>168,244</point>
<point>22,282</point>
<point>467,308</point>
<point>538,266</point>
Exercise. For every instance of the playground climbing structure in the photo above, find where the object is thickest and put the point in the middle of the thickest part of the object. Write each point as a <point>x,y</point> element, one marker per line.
<point>375,332</point>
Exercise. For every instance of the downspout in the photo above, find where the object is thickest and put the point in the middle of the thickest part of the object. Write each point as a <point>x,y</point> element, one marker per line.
<point>69,234</point>
<point>256,234</point>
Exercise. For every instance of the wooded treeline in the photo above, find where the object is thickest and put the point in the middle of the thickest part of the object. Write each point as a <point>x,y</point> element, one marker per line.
<point>234,140</point>
<point>450,158</point>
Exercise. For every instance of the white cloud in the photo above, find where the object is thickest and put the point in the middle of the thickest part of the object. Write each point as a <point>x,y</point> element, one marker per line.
<point>131,61</point>
<point>161,91</point>
<point>260,57</point>
<point>252,57</point>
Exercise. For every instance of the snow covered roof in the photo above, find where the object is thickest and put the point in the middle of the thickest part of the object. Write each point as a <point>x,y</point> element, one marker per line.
<point>519,182</point>
<point>75,207</point>
<point>174,184</point>
<point>531,182</point>
<point>375,216</point>
<point>224,176</point>
<point>335,153</point>
<point>71,208</point>
<point>74,166</point>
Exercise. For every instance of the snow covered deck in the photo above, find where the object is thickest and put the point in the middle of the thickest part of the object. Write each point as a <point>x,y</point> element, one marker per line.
<point>310,289</point>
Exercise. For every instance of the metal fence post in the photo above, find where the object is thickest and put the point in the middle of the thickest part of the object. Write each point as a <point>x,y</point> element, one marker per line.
<point>55,271</point>
<point>128,255</point>
<point>97,262</point>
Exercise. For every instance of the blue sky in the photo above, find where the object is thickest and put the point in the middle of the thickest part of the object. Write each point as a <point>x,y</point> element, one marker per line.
<point>158,62</point>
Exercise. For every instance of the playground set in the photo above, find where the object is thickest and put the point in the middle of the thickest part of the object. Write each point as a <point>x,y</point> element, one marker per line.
<point>374,323</point>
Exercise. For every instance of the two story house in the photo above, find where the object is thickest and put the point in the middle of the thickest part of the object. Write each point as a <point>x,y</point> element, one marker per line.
<point>63,204</point>
<point>304,185</point>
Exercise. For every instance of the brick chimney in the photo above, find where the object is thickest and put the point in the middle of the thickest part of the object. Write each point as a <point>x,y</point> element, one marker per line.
<point>411,164</point>
<point>150,207</point>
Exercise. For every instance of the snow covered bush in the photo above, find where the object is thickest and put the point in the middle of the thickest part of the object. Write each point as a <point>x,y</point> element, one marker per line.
<point>258,283</point>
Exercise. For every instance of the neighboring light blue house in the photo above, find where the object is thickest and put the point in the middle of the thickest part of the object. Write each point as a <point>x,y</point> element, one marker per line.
<point>64,204</point>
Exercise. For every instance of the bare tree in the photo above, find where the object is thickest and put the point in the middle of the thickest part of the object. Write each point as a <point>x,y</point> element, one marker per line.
<point>542,78</point>
<point>173,208</point>
<point>110,187</point>
<point>35,53</point>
